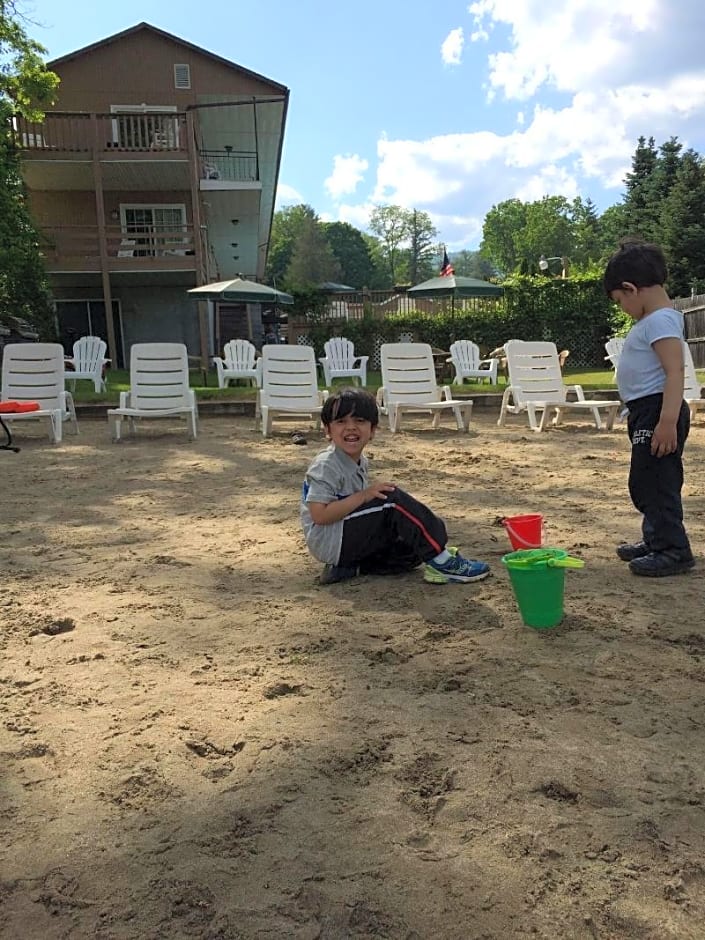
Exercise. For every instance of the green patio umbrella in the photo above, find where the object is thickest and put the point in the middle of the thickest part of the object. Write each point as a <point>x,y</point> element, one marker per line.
<point>454,285</point>
<point>241,291</point>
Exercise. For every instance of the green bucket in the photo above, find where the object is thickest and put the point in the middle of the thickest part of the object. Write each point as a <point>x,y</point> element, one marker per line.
<point>538,580</point>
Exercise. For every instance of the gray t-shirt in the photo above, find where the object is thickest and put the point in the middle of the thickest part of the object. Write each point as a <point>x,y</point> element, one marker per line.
<point>332,475</point>
<point>639,370</point>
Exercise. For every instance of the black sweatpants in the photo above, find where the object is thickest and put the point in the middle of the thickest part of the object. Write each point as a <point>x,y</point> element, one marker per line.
<point>655,483</point>
<point>388,536</point>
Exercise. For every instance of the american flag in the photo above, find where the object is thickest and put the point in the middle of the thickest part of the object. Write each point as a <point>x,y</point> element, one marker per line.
<point>446,266</point>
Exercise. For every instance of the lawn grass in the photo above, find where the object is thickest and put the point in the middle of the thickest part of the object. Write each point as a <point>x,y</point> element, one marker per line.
<point>119,381</point>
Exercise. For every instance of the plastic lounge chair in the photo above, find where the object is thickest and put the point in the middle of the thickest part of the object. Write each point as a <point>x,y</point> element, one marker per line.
<point>239,361</point>
<point>88,362</point>
<point>409,384</point>
<point>536,385</point>
<point>692,389</point>
<point>289,384</point>
<point>340,361</point>
<point>465,356</point>
<point>159,388</point>
<point>34,372</point>
<point>613,348</point>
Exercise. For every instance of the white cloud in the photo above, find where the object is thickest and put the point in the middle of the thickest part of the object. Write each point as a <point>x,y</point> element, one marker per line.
<point>287,195</point>
<point>452,47</point>
<point>347,173</point>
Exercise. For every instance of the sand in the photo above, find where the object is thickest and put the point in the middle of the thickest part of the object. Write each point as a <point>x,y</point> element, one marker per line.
<point>198,740</point>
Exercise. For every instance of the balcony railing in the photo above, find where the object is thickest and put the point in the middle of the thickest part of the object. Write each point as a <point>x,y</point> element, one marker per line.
<point>230,165</point>
<point>130,132</point>
<point>154,247</point>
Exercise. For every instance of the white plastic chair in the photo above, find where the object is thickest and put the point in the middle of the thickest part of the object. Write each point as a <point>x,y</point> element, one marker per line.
<point>159,388</point>
<point>239,361</point>
<point>409,384</point>
<point>613,348</point>
<point>692,389</point>
<point>536,385</point>
<point>340,361</point>
<point>289,384</point>
<point>465,356</point>
<point>88,362</point>
<point>35,372</point>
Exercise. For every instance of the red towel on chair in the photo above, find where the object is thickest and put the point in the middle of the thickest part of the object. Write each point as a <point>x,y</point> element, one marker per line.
<point>18,407</point>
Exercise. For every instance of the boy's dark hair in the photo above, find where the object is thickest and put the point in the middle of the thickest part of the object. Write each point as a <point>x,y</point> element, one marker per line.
<point>350,401</point>
<point>636,262</point>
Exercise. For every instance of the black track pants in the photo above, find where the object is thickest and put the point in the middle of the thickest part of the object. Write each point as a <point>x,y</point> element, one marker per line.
<point>391,535</point>
<point>655,483</point>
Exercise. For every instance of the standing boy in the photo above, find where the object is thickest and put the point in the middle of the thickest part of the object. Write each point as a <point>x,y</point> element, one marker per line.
<point>650,381</point>
<point>358,526</point>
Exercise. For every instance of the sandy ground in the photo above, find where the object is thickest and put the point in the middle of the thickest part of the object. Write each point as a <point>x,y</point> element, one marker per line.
<point>218,747</point>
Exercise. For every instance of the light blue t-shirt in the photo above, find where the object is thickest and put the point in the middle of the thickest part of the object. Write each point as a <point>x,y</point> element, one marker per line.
<point>639,370</point>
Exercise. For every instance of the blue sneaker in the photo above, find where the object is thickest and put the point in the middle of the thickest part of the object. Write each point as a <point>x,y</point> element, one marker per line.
<point>456,568</point>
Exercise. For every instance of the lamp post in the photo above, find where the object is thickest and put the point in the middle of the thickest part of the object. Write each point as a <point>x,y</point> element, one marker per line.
<point>544,264</point>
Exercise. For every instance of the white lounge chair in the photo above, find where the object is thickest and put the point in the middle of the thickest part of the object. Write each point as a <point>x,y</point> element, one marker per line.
<point>409,384</point>
<point>613,348</point>
<point>289,384</point>
<point>34,372</point>
<point>465,356</point>
<point>340,361</point>
<point>536,385</point>
<point>159,388</point>
<point>692,389</point>
<point>239,361</point>
<point>88,362</point>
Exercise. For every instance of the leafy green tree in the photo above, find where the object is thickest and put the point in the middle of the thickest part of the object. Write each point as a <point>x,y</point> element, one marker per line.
<point>352,253</point>
<point>613,226</point>
<point>640,211</point>
<point>391,225</point>
<point>472,264</point>
<point>499,233</point>
<point>587,241</point>
<point>683,227</point>
<point>26,85</point>
<point>312,260</point>
<point>287,226</point>
<point>380,278</point>
<point>422,247</point>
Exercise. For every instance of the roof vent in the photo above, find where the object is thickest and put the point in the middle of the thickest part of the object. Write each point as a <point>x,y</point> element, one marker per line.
<point>182,76</point>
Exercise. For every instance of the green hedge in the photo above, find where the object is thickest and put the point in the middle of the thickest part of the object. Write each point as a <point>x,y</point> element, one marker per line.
<point>573,313</point>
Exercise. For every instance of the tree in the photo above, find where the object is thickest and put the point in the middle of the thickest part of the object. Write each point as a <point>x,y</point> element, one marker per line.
<point>640,212</point>
<point>391,225</point>
<point>25,86</point>
<point>312,260</point>
<point>683,227</point>
<point>352,253</point>
<point>287,225</point>
<point>472,264</point>
<point>422,248</point>
<point>587,245</point>
<point>499,232</point>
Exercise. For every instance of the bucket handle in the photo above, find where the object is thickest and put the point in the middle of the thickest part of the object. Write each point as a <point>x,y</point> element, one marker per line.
<point>515,535</point>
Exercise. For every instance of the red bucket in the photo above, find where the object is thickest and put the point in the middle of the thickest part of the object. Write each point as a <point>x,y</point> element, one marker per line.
<point>524,531</point>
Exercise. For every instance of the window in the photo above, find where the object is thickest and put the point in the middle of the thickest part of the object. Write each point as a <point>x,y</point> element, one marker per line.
<point>182,76</point>
<point>145,127</point>
<point>154,231</point>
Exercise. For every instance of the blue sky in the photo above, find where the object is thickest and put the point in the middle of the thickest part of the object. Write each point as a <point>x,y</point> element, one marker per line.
<point>449,107</point>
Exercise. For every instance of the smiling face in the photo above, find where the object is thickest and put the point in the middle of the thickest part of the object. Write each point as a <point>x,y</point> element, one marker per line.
<point>350,434</point>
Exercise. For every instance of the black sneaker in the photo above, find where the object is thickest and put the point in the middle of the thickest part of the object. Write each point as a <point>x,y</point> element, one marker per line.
<point>628,552</point>
<point>661,564</point>
<point>331,574</point>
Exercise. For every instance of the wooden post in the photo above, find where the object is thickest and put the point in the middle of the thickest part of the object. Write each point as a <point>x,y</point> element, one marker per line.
<point>199,253</point>
<point>102,242</point>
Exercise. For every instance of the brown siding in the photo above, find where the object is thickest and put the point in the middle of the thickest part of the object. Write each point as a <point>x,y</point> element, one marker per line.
<point>78,208</point>
<point>139,69</point>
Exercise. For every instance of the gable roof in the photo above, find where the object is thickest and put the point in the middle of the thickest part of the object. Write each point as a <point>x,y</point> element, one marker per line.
<point>276,87</point>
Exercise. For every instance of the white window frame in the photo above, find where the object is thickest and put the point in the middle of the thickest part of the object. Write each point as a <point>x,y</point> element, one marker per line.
<point>148,242</point>
<point>187,68</point>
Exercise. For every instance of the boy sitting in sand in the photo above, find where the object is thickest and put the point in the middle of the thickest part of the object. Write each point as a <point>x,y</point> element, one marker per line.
<point>357,526</point>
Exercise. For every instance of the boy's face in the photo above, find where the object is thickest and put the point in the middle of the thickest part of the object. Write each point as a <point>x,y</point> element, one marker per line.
<point>629,299</point>
<point>350,434</point>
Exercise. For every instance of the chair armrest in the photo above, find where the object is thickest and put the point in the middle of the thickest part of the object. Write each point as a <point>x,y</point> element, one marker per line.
<point>450,359</point>
<point>446,392</point>
<point>361,359</point>
<point>381,393</point>
<point>124,400</point>
<point>578,389</point>
<point>488,362</point>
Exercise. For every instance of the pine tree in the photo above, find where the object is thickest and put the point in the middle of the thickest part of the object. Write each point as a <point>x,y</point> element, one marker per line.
<point>640,213</point>
<point>683,227</point>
